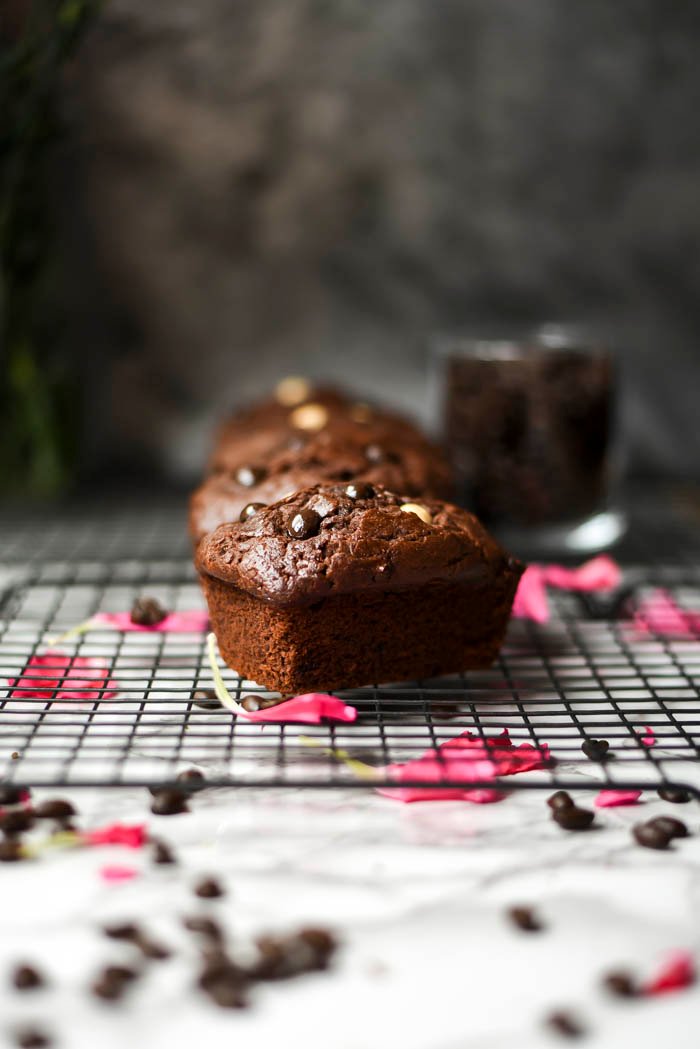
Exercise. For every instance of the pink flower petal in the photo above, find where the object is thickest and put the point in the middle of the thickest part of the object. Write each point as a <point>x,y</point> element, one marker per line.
<point>660,614</point>
<point>600,573</point>
<point>308,709</point>
<point>531,596</point>
<point>649,737</point>
<point>192,621</point>
<point>466,757</point>
<point>607,799</point>
<point>134,835</point>
<point>678,972</point>
<point>116,872</point>
<point>57,676</point>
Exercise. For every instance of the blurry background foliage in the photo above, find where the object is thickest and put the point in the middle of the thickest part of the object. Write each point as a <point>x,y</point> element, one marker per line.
<point>40,396</point>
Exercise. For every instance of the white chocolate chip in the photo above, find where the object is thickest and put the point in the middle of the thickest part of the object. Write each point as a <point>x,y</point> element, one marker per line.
<point>292,390</point>
<point>310,416</point>
<point>418,510</point>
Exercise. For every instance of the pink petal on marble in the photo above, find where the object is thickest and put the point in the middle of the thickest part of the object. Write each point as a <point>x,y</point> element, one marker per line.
<point>676,974</point>
<point>608,799</point>
<point>57,676</point>
<point>466,757</point>
<point>115,872</point>
<point>311,708</point>
<point>600,573</point>
<point>194,621</point>
<point>133,835</point>
<point>531,596</point>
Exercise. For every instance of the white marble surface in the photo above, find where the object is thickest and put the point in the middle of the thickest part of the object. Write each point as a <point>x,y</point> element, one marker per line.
<point>417,894</point>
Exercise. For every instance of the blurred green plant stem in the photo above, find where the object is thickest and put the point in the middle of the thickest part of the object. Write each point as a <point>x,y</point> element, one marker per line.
<point>40,390</point>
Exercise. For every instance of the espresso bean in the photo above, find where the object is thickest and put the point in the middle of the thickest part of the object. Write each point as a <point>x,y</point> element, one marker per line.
<point>152,949</point>
<point>209,889</point>
<point>109,990</point>
<point>248,476</point>
<point>253,703</point>
<point>320,940</point>
<point>669,825</point>
<point>121,972</point>
<point>676,795</point>
<point>358,490</point>
<point>573,818</point>
<point>193,778</point>
<point>565,1024</point>
<point>16,822</point>
<point>11,851</point>
<point>525,918</point>
<point>32,1038</point>
<point>55,809</point>
<point>621,984</point>
<point>206,698</point>
<point>595,749</point>
<point>560,800</point>
<point>651,837</point>
<point>27,978</point>
<point>169,803</point>
<point>250,510</point>
<point>147,611</point>
<point>227,995</point>
<point>304,524</point>
<point>162,853</point>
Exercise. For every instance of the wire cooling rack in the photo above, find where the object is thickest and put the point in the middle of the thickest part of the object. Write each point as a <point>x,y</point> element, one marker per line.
<point>577,677</point>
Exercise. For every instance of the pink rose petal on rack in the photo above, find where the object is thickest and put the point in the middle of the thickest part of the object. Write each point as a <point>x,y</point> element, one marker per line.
<point>677,973</point>
<point>134,835</point>
<point>608,799</point>
<point>115,872</point>
<point>649,737</point>
<point>56,676</point>
<point>531,596</point>
<point>311,708</point>
<point>191,621</point>
<point>600,573</point>
<point>660,614</point>
<point>466,757</point>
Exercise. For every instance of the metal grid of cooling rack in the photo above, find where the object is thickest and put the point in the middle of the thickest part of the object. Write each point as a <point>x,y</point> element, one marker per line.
<point>577,677</point>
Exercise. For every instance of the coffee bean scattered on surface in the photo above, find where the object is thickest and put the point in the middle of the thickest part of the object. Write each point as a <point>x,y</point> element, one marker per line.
<point>253,703</point>
<point>573,818</point>
<point>525,918</point>
<point>169,803</point>
<point>651,837</point>
<point>565,1024</point>
<point>209,889</point>
<point>111,983</point>
<point>122,931</point>
<point>147,611</point>
<point>11,795</point>
<point>621,984</point>
<point>676,795</point>
<point>193,778</point>
<point>152,949</point>
<point>206,698</point>
<point>27,978</point>
<point>596,749</point>
<point>204,927</point>
<point>560,800</point>
<point>670,825</point>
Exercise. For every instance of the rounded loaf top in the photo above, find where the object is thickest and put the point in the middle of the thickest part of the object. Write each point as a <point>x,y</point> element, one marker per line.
<point>341,538</point>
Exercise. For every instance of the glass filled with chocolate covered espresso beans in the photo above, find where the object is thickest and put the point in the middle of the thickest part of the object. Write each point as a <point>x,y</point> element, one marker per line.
<point>530,426</point>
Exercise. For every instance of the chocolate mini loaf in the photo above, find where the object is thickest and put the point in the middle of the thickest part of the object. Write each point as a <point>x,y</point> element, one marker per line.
<point>338,586</point>
<point>416,467</point>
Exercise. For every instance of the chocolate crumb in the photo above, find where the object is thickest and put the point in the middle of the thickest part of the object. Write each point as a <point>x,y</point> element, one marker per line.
<point>206,927</point>
<point>11,795</point>
<point>192,778</point>
<point>32,1038</point>
<point>560,800</point>
<point>162,852</point>
<point>169,803</point>
<point>54,809</point>
<point>621,984</point>
<point>525,918</point>
<point>147,611</point>
<point>123,931</point>
<point>16,822</point>
<point>209,889</point>
<point>565,1024</point>
<point>27,978</point>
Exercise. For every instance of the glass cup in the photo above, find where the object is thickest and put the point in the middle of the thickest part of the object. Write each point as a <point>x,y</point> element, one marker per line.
<point>530,428</point>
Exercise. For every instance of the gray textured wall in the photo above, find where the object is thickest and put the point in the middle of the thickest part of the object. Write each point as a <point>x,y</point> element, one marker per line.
<point>276,185</point>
